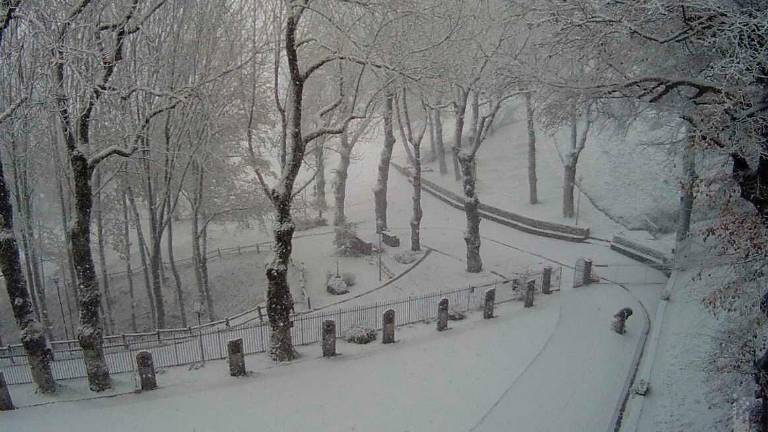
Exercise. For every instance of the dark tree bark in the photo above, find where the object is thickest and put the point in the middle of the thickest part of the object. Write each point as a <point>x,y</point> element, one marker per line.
<point>175,271</point>
<point>572,158</point>
<point>416,199</point>
<point>102,251</point>
<point>143,255</point>
<point>438,125</point>
<point>687,196</point>
<point>471,204</point>
<point>458,130</point>
<point>380,189</point>
<point>32,335</point>
<point>128,269</point>
<point>320,201</point>
<point>533,195</point>
<point>340,189</point>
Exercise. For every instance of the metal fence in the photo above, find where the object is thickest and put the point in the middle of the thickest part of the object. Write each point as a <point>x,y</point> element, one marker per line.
<point>177,347</point>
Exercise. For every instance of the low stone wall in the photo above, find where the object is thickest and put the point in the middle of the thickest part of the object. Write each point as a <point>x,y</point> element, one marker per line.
<point>504,217</point>
<point>642,253</point>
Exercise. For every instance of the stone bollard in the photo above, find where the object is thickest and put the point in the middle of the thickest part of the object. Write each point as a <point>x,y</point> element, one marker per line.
<point>620,320</point>
<point>587,272</point>
<point>388,332</point>
<point>236,357</point>
<point>442,315</point>
<point>6,404</point>
<point>490,299</point>
<point>146,370</point>
<point>529,290</point>
<point>329,338</point>
<point>546,280</point>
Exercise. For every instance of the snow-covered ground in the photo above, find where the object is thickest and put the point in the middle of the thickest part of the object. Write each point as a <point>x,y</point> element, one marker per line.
<point>555,367</point>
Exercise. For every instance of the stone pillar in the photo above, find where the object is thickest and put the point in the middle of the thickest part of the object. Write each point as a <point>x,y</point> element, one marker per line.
<point>529,290</point>
<point>490,299</point>
<point>146,370</point>
<point>442,315</point>
<point>546,280</point>
<point>6,404</point>
<point>388,333</point>
<point>587,272</point>
<point>329,338</point>
<point>236,357</point>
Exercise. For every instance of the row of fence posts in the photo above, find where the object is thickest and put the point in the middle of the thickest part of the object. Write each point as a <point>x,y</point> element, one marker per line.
<point>236,355</point>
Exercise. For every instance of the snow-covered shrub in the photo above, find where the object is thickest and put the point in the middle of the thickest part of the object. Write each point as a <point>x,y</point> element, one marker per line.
<point>336,285</point>
<point>360,335</point>
<point>349,278</point>
<point>407,257</point>
<point>455,315</point>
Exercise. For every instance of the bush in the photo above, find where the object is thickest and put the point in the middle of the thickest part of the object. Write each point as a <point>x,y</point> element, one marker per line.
<point>407,257</point>
<point>349,278</point>
<point>360,335</point>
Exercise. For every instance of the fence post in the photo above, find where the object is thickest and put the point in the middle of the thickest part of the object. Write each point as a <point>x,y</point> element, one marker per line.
<point>587,272</point>
<point>146,370</point>
<point>546,280</point>
<point>219,251</point>
<point>236,357</point>
<point>442,315</point>
<point>261,317</point>
<point>490,299</point>
<point>6,404</point>
<point>329,338</point>
<point>388,330</point>
<point>529,289</point>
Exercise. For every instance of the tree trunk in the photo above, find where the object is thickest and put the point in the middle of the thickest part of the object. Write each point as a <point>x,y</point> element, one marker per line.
<point>320,201</point>
<point>102,255</point>
<point>416,218</point>
<point>64,207</point>
<point>128,269</point>
<point>471,204</point>
<point>380,189</point>
<point>175,271</point>
<point>279,300</point>
<point>340,190</point>
<point>204,271</point>
<point>90,332</point>
<point>687,196</point>
<point>32,336</point>
<point>458,131</point>
<point>533,195</point>
<point>438,124</point>
<point>143,255</point>
<point>569,180</point>
<point>432,138</point>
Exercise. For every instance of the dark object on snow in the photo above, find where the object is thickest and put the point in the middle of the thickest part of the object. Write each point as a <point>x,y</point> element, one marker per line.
<point>336,285</point>
<point>146,369</point>
<point>529,289</point>
<point>390,239</point>
<point>329,338</point>
<point>6,404</point>
<point>354,246</point>
<point>236,357</point>
<point>620,320</point>
<point>490,299</point>
<point>361,335</point>
<point>388,325</point>
<point>442,315</point>
<point>454,315</point>
<point>546,281</point>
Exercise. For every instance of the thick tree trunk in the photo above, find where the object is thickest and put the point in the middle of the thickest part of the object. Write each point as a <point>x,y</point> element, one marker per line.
<point>279,300</point>
<point>471,204</point>
<point>90,332</point>
<point>32,336</point>
<point>417,213</point>
<point>128,269</point>
<point>458,131</point>
<point>102,254</point>
<point>569,181</point>
<point>142,246</point>
<point>204,272</point>
<point>380,189</point>
<point>320,200</point>
<point>175,271</point>
<point>687,196</point>
<point>340,190</point>
<point>533,195</point>
<point>432,138</point>
<point>64,207</point>
<point>438,124</point>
